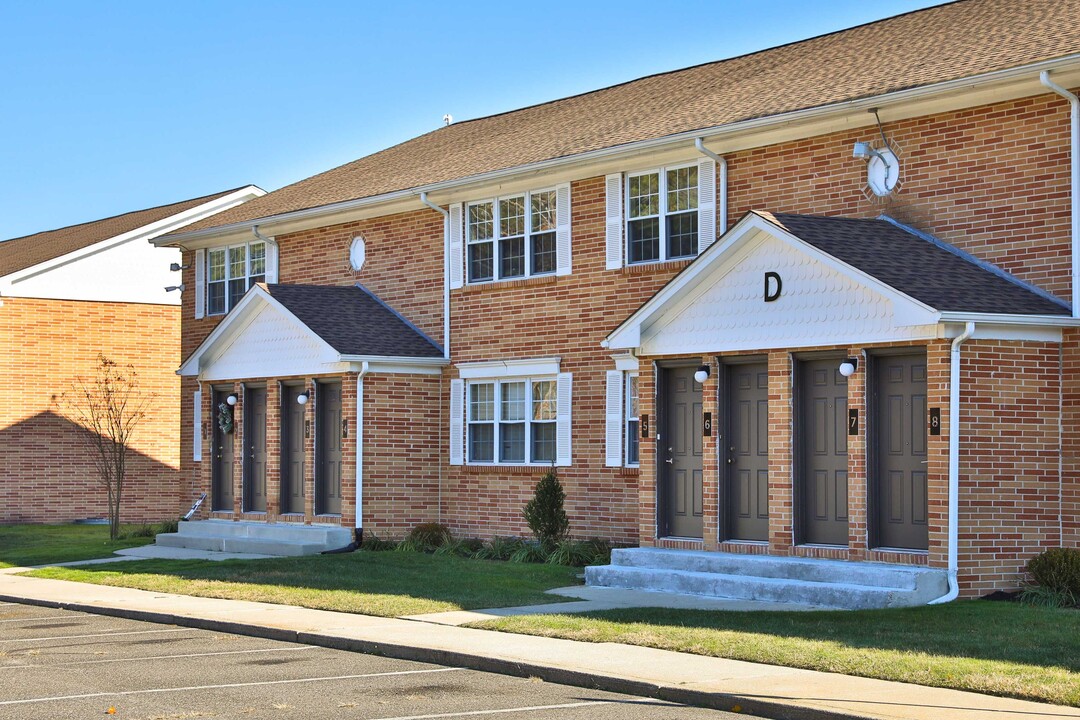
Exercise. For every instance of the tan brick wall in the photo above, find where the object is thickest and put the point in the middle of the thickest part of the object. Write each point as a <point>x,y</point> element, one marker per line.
<point>1070,453</point>
<point>46,471</point>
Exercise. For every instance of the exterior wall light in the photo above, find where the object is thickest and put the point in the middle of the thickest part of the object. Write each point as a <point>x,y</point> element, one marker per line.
<point>849,366</point>
<point>177,267</point>
<point>702,374</point>
<point>303,397</point>
<point>231,399</point>
<point>179,287</point>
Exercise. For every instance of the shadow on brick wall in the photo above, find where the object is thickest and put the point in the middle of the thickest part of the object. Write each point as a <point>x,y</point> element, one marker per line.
<point>47,474</point>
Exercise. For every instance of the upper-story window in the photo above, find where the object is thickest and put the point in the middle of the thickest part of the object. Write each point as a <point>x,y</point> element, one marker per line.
<point>230,271</point>
<point>662,214</point>
<point>511,237</point>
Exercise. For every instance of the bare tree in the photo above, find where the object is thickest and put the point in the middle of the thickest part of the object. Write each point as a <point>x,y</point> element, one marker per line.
<point>109,405</point>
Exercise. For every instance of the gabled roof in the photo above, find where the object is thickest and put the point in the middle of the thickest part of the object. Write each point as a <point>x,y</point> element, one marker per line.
<point>23,252</point>
<point>920,266</point>
<point>926,47</point>
<point>353,321</point>
<point>278,330</point>
<point>844,280</point>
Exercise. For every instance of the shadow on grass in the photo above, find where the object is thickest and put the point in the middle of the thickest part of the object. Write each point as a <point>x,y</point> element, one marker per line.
<point>974,629</point>
<point>465,583</point>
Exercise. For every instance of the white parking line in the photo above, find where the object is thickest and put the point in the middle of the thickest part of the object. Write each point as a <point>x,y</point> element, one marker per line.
<point>530,708</point>
<point>108,634</point>
<point>51,617</point>
<point>162,657</point>
<point>150,691</point>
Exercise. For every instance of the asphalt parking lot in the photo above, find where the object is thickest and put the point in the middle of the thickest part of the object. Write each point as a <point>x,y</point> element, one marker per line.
<point>57,664</point>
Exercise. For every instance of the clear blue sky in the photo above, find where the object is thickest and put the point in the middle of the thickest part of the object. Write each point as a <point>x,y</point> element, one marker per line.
<point>107,107</point>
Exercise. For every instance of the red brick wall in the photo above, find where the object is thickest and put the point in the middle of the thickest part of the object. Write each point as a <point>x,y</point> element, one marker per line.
<point>1009,462</point>
<point>46,472</point>
<point>1070,440</point>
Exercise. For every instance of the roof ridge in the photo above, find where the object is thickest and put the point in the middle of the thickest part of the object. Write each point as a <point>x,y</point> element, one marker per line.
<point>964,255</point>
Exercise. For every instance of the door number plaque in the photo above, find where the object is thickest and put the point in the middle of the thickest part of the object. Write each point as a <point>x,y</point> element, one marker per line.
<point>644,420</point>
<point>853,421</point>
<point>706,425</point>
<point>935,421</point>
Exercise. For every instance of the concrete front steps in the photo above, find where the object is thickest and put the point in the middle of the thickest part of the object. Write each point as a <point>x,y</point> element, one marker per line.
<point>284,539</point>
<point>821,583</point>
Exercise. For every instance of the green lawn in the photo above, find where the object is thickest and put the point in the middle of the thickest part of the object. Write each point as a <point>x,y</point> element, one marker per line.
<point>988,647</point>
<point>386,584</point>
<point>22,545</point>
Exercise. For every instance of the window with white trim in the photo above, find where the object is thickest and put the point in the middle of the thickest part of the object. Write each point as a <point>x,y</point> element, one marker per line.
<point>632,425</point>
<point>230,271</point>
<point>512,421</point>
<point>511,237</point>
<point>662,214</point>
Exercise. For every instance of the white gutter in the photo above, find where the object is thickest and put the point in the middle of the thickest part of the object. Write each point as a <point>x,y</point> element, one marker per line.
<point>789,118</point>
<point>1074,135</point>
<point>1063,321</point>
<point>722,190</point>
<point>446,272</point>
<point>954,464</point>
<point>360,446</point>
<point>393,360</point>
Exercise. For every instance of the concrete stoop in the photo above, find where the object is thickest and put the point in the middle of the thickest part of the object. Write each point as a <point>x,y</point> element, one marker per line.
<point>823,583</point>
<point>283,539</point>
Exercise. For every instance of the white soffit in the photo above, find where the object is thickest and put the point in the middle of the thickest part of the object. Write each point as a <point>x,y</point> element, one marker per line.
<point>508,368</point>
<point>718,303</point>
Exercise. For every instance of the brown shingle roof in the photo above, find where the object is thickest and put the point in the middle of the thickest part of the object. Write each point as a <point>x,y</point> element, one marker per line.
<point>23,252</point>
<point>930,46</point>
<point>922,267</point>
<point>354,321</point>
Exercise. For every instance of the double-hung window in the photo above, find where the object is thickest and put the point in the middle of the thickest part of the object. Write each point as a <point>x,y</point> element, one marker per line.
<point>230,271</point>
<point>511,237</point>
<point>662,214</point>
<point>512,421</point>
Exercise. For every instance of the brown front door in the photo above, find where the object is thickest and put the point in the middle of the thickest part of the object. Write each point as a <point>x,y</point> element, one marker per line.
<point>255,450</point>
<point>822,457</point>
<point>745,452</point>
<point>899,450</point>
<point>679,454</point>
<point>328,450</point>
<point>293,431</point>
<point>221,482</point>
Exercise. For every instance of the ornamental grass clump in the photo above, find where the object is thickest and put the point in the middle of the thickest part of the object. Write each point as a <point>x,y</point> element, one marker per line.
<point>545,514</point>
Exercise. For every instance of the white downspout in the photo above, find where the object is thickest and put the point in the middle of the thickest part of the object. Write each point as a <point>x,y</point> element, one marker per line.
<point>446,272</point>
<point>954,463</point>
<point>1074,102</point>
<point>722,190</point>
<point>360,446</point>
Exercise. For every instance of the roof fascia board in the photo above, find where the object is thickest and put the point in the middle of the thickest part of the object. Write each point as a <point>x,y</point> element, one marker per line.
<point>148,232</point>
<point>393,367</point>
<point>1050,321</point>
<point>437,362</point>
<point>1000,85</point>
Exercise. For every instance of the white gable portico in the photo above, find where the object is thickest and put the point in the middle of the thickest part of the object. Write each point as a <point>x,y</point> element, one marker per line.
<point>762,288</point>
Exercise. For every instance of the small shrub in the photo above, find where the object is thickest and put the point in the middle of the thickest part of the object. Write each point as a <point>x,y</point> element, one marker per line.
<point>545,514</point>
<point>1047,597</point>
<point>168,526</point>
<point>428,537</point>
<point>571,552</point>
<point>460,548</point>
<point>1057,569</point>
<point>409,544</point>
<point>529,553</point>
<point>374,543</point>
<point>600,552</point>
<point>499,548</point>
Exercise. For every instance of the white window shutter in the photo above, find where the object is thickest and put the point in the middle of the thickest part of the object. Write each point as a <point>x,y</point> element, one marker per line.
<point>457,246</point>
<point>613,419</point>
<point>457,422</point>
<point>200,283</point>
<point>271,263</point>
<point>614,221</point>
<point>196,427</point>
<point>562,229</point>
<point>562,424</point>
<point>706,224</point>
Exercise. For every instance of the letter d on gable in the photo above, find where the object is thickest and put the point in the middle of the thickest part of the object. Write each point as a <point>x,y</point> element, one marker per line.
<point>773,286</point>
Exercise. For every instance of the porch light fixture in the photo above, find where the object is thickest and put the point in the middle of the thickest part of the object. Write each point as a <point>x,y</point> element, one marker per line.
<point>702,374</point>
<point>849,366</point>
<point>231,399</point>
<point>177,267</point>
<point>303,397</point>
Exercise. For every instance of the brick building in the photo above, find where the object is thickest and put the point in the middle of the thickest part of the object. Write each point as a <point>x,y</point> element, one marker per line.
<point>794,304</point>
<point>65,296</point>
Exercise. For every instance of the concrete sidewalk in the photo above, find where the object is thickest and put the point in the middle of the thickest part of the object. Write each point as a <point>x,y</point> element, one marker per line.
<point>765,690</point>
